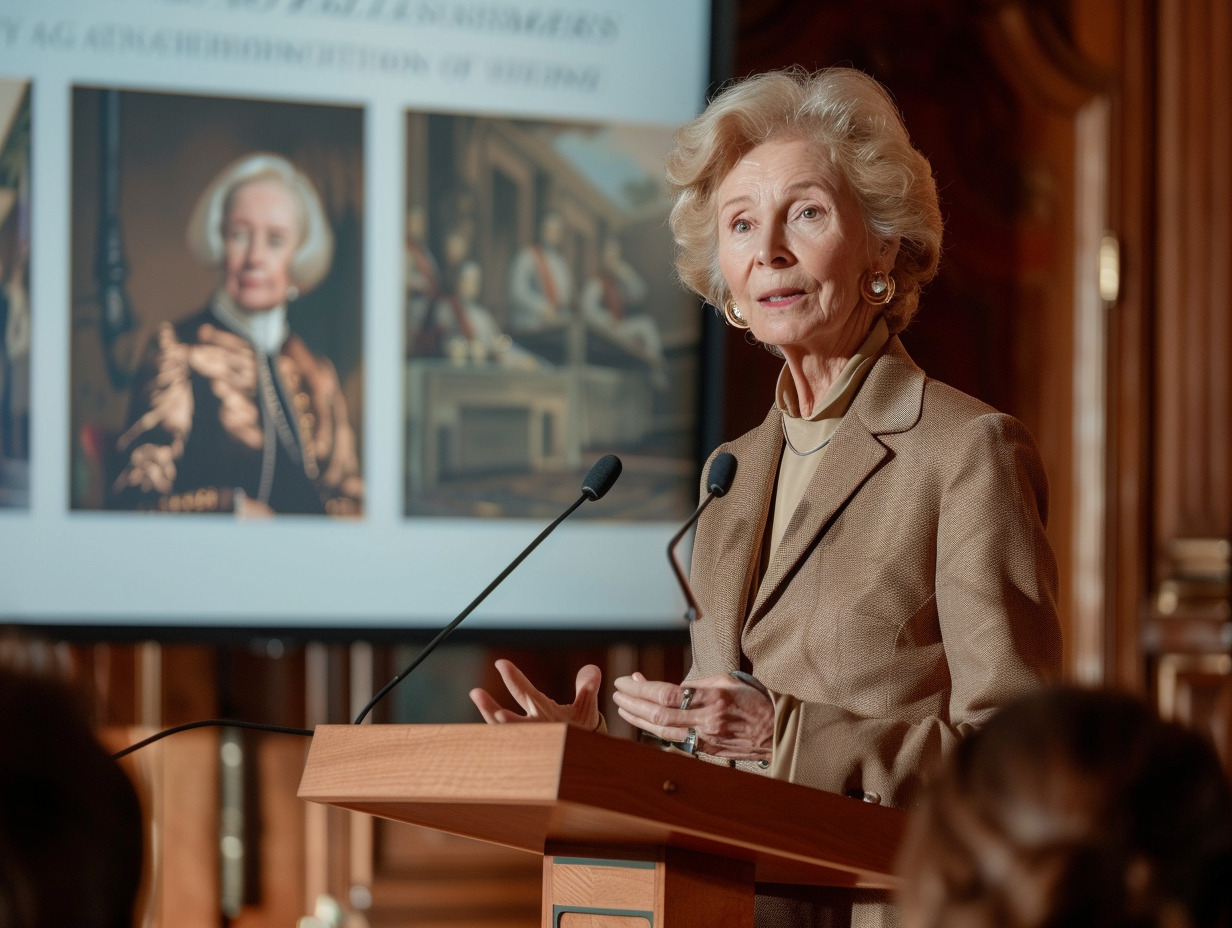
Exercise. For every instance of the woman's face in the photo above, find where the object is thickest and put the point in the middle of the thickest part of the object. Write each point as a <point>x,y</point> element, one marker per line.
<point>792,248</point>
<point>260,234</point>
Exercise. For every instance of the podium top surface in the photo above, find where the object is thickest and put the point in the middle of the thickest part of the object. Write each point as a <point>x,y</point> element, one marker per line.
<point>541,786</point>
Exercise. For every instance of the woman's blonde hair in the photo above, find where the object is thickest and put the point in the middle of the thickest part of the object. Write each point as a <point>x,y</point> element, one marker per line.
<point>851,117</point>
<point>315,251</point>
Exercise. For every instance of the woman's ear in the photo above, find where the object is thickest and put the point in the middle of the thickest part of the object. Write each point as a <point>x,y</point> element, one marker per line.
<point>888,253</point>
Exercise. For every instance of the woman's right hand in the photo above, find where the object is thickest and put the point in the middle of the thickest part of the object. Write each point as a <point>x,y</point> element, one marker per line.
<point>582,712</point>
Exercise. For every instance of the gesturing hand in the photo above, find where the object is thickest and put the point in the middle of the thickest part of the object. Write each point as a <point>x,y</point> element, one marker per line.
<point>582,712</point>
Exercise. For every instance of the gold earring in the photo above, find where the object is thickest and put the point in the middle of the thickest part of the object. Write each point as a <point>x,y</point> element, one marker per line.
<point>877,288</point>
<point>731,312</point>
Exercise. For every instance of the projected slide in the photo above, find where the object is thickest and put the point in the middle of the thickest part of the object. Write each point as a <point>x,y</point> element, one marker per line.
<point>339,301</point>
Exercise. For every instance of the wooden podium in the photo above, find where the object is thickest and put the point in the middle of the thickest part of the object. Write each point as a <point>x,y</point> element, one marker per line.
<point>632,836</point>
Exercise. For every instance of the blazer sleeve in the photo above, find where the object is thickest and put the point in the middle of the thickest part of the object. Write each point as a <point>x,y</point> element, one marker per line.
<point>995,593</point>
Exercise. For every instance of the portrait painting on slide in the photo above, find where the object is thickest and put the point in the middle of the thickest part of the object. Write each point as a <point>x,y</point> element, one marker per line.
<point>15,330</point>
<point>544,326</point>
<point>216,305</point>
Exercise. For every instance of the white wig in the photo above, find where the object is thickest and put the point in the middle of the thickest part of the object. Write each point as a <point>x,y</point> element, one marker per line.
<point>316,244</point>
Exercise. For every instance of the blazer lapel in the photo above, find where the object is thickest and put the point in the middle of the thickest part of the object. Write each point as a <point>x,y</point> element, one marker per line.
<point>890,401</point>
<point>736,524</point>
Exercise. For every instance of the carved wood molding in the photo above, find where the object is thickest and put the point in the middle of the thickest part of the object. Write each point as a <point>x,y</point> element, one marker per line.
<point>1040,61</point>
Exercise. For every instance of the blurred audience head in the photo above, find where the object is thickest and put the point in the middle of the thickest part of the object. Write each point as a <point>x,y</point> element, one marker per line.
<point>1073,808</point>
<point>71,836</point>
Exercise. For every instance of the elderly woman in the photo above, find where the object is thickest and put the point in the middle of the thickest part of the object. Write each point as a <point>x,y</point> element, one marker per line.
<point>230,410</point>
<point>877,582</point>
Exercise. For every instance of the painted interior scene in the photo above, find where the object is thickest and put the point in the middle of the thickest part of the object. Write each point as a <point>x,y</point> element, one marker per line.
<point>216,305</point>
<point>543,323</point>
<point>14,293</point>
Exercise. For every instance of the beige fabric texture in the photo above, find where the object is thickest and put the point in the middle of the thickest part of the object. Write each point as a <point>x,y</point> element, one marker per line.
<point>914,591</point>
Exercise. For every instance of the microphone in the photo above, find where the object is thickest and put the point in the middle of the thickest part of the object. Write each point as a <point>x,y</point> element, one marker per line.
<point>598,481</point>
<point>718,482</point>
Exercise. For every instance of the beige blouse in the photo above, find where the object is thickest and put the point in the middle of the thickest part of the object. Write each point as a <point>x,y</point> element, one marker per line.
<point>809,437</point>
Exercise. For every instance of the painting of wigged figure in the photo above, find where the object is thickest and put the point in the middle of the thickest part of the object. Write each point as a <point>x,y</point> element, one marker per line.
<point>543,323</point>
<point>217,311</point>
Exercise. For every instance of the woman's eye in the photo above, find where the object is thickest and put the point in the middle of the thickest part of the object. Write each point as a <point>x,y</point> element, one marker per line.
<point>810,212</point>
<point>741,225</point>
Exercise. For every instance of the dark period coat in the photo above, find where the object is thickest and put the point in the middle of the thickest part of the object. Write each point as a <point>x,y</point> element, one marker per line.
<point>212,416</point>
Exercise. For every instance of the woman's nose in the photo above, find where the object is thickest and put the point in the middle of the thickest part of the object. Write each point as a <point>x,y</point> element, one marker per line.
<point>772,248</point>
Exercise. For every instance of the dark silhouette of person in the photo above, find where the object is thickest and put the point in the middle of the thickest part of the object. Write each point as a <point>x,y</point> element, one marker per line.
<point>71,834</point>
<point>1073,808</point>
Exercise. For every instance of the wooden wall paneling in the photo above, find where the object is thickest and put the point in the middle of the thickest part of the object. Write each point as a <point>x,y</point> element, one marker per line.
<point>110,668</point>
<point>277,899</point>
<point>176,779</point>
<point>1131,215</point>
<point>188,687</point>
<point>1088,622</point>
<point>316,818</point>
<point>1171,296</point>
<point>1216,32</point>
<point>1192,447</point>
<point>361,837</point>
<point>1188,631</point>
<point>1196,690</point>
<point>1065,109</point>
<point>189,813</point>
<point>1114,36</point>
<point>1192,509</point>
<point>149,685</point>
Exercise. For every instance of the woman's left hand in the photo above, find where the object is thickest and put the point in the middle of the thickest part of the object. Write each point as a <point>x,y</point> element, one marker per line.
<point>731,718</point>
<point>582,712</point>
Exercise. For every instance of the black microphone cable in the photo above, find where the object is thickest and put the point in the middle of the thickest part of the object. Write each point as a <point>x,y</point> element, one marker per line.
<point>718,482</point>
<point>221,723</point>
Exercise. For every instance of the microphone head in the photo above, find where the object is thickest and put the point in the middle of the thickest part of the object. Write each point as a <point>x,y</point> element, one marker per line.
<point>601,477</point>
<point>722,473</point>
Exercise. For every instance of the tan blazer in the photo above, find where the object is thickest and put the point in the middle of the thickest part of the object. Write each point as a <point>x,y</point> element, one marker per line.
<point>913,593</point>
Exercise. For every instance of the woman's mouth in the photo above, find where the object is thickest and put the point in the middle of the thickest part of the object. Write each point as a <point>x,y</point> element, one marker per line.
<point>780,297</point>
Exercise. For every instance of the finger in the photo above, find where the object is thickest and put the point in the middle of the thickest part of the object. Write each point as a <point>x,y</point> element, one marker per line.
<point>656,691</point>
<point>520,688</point>
<point>487,706</point>
<point>588,680</point>
<point>653,716</point>
<point>662,732</point>
<point>586,701</point>
<point>509,717</point>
